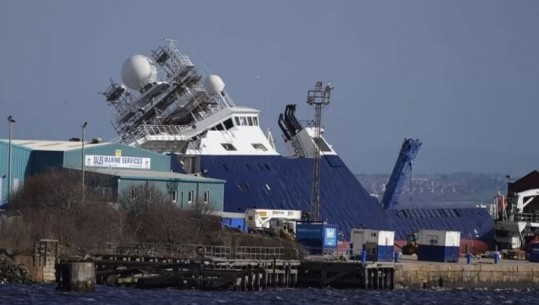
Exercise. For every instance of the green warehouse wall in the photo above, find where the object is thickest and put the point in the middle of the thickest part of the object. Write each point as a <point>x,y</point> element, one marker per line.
<point>20,166</point>
<point>215,189</point>
<point>27,162</point>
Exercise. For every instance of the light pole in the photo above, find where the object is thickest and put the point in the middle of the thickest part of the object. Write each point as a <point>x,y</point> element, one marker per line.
<point>82,160</point>
<point>10,122</point>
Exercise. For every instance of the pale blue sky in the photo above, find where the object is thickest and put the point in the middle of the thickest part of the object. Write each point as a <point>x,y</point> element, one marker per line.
<point>460,75</point>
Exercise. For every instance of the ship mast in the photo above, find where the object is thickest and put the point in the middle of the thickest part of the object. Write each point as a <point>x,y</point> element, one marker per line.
<point>318,98</point>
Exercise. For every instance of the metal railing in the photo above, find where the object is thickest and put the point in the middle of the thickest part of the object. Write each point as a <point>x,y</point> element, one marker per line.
<point>528,217</point>
<point>190,251</point>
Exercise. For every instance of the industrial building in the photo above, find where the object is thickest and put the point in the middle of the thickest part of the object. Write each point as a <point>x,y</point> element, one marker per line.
<point>124,166</point>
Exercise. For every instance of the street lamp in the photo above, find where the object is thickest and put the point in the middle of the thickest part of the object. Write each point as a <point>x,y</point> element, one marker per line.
<point>82,159</point>
<point>10,122</point>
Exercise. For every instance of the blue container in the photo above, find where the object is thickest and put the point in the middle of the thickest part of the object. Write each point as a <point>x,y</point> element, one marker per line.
<point>397,257</point>
<point>234,223</point>
<point>434,253</point>
<point>469,258</point>
<point>533,253</point>
<point>317,237</point>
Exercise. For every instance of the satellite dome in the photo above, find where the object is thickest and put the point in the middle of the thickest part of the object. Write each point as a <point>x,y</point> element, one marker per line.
<point>138,71</point>
<point>214,84</point>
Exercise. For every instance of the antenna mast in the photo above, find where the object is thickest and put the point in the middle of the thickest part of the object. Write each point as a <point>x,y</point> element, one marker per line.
<point>318,98</point>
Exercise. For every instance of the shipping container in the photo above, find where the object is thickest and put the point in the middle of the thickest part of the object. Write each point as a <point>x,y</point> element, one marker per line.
<point>317,238</point>
<point>234,224</point>
<point>438,246</point>
<point>378,244</point>
<point>533,252</point>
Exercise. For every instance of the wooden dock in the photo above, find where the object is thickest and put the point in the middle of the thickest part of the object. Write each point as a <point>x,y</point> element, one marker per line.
<point>198,267</point>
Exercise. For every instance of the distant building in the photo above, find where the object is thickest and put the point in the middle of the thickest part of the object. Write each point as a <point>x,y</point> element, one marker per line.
<point>124,166</point>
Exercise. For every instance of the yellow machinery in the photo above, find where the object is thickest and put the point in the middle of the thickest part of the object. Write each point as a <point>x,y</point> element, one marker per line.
<point>411,244</point>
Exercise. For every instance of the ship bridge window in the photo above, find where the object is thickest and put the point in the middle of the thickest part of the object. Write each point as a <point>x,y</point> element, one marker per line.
<point>322,145</point>
<point>218,127</point>
<point>228,146</point>
<point>243,121</point>
<point>259,147</point>
<point>228,124</point>
<point>250,120</point>
<point>255,121</point>
<point>237,121</point>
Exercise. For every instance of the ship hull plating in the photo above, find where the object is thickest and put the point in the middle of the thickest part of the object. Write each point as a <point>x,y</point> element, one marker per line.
<point>276,182</point>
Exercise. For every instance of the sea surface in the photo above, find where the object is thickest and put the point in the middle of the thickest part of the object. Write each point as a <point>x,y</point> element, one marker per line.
<point>47,294</point>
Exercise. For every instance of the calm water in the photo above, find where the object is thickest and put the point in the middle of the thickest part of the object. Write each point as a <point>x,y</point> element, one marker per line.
<point>41,294</point>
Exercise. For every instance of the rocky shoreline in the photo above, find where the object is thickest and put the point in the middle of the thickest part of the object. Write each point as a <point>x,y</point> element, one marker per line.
<point>10,272</point>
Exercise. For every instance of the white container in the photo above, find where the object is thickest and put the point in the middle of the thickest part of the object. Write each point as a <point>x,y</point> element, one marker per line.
<point>439,238</point>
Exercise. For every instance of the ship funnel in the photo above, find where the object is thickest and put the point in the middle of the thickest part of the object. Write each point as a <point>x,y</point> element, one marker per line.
<point>214,85</point>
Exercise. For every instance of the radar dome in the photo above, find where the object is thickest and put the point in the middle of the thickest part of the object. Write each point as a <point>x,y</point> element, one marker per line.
<point>138,71</point>
<point>214,84</point>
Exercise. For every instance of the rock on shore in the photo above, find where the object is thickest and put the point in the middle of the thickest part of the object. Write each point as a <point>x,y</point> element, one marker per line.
<point>11,273</point>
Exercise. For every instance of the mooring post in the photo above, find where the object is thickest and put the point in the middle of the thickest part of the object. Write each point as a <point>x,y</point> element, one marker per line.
<point>363,255</point>
<point>75,276</point>
<point>274,279</point>
<point>249,277</point>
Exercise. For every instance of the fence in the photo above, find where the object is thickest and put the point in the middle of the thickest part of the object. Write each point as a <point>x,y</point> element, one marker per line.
<point>199,251</point>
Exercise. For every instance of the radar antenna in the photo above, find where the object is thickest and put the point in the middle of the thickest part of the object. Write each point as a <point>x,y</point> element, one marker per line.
<point>318,98</point>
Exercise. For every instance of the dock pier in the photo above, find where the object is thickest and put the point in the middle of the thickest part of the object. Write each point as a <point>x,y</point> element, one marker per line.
<point>258,268</point>
<point>375,276</point>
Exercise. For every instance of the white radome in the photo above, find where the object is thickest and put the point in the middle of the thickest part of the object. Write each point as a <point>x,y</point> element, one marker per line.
<point>214,84</point>
<point>138,71</point>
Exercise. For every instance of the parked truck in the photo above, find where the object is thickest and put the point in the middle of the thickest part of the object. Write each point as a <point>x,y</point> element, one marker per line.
<point>272,222</point>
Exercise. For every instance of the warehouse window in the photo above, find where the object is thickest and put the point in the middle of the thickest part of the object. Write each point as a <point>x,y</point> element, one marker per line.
<point>133,193</point>
<point>206,196</point>
<point>174,196</point>
<point>190,196</point>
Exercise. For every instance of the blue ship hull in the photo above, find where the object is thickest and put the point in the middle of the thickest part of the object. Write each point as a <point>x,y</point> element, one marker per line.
<point>276,182</point>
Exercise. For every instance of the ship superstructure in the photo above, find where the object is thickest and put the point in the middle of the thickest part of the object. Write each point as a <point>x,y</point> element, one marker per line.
<point>167,105</point>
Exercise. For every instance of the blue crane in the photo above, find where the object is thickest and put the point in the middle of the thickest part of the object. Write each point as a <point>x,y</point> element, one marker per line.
<point>401,171</point>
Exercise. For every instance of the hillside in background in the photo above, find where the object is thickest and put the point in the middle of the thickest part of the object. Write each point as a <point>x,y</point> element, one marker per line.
<point>463,189</point>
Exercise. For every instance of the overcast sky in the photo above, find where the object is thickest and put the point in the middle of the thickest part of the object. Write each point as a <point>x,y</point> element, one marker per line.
<point>460,75</point>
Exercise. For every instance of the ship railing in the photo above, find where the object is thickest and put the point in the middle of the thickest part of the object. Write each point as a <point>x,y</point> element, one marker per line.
<point>528,217</point>
<point>156,130</point>
<point>185,61</point>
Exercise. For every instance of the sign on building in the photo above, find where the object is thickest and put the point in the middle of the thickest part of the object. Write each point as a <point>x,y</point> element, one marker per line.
<point>118,162</point>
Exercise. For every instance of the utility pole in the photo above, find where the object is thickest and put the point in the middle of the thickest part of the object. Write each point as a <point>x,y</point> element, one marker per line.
<point>318,98</point>
<point>10,122</point>
<point>83,161</point>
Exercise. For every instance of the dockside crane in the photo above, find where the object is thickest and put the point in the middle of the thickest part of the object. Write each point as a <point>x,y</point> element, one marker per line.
<point>401,172</point>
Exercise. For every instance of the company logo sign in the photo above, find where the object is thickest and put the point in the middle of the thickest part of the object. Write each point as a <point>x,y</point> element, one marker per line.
<point>331,237</point>
<point>117,162</point>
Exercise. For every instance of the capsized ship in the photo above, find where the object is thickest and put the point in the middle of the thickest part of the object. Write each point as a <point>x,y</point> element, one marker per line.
<point>168,106</point>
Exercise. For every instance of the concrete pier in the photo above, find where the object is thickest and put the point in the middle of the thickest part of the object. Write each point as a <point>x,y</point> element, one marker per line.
<point>75,276</point>
<point>414,274</point>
